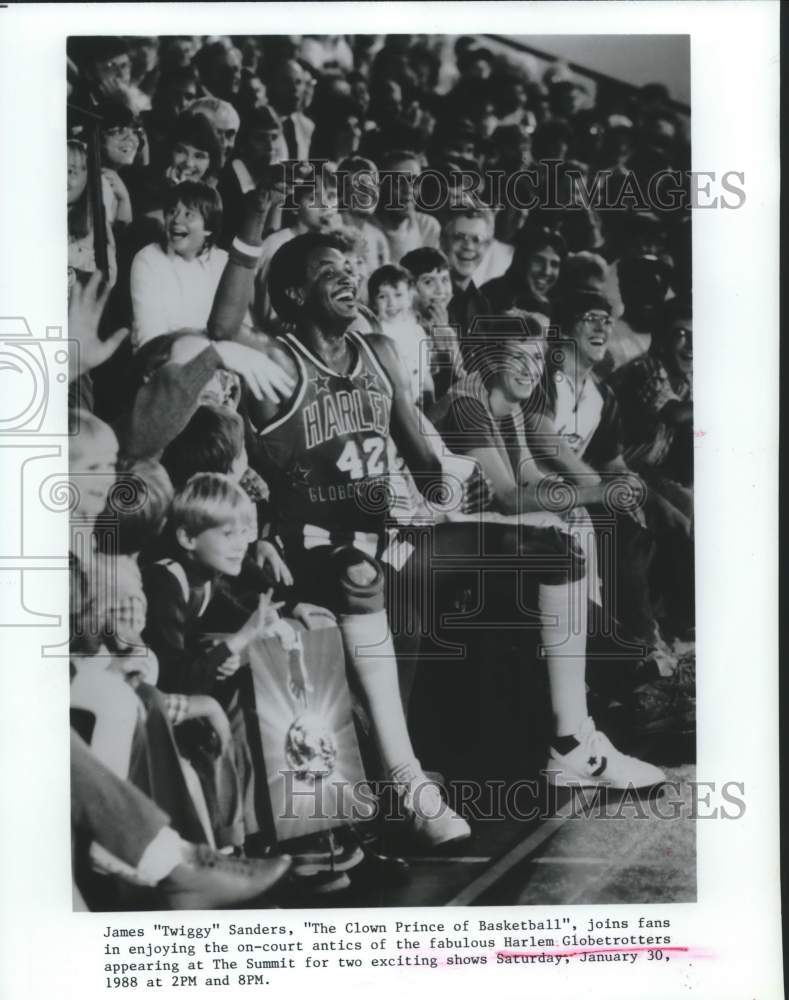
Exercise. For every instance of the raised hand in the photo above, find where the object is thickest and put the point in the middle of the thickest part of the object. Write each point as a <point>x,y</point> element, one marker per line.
<point>84,314</point>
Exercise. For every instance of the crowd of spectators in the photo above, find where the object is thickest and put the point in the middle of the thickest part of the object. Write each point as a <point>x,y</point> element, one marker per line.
<point>539,310</point>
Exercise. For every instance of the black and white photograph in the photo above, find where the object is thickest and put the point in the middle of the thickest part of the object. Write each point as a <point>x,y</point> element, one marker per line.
<point>387,575</point>
<point>382,575</point>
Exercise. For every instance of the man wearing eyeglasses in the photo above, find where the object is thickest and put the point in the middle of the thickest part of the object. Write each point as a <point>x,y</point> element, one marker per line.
<point>466,236</point>
<point>582,421</point>
<point>106,65</point>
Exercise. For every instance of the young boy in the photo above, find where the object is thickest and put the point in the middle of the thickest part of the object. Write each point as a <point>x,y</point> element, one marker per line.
<point>391,294</point>
<point>429,269</point>
<point>211,524</point>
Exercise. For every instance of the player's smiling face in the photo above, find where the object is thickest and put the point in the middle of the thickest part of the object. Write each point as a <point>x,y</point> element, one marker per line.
<point>330,290</point>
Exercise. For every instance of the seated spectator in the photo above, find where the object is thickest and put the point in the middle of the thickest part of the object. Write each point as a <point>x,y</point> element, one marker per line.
<point>178,88</point>
<point>643,283</point>
<point>316,212</point>
<point>287,90</point>
<point>429,269</point>
<point>358,198</point>
<point>391,295</point>
<point>532,276</point>
<point>123,157</point>
<point>212,522</point>
<point>337,133</point>
<point>212,441</point>
<point>144,52</point>
<point>81,239</point>
<point>580,414</point>
<point>225,121</point>
<point>220,65</point>
<point>195,153</point>
<point>256,151</point>
<point>482,417</point>
<point>465,238</point>
<point>587,271</point>
<point>655,394</point>
<point>404,227</point>
<point>173,283</point>
<point>107,72</point>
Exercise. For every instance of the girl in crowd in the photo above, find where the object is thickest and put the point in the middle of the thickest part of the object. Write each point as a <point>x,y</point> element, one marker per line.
<point>174,281</point>
<point>81,255</point>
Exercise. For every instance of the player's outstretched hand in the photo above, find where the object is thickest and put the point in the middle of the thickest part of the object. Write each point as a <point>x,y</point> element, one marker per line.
<point>261,373</point>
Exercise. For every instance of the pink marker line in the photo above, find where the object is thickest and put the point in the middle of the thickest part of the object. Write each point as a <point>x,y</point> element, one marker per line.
<point>601,951</point>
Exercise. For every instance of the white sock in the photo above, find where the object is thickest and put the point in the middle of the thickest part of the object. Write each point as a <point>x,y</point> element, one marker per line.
<point>563,611</point>
<point>368,642</point>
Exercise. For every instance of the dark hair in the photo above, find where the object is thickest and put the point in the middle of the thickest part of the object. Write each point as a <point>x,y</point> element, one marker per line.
<point>202,198</point>
<point>263,118</point>
<point>114,113</point>
<point>389,274</point>
<point>533,238</point>
<point>576,303</point>
<point>196,130</point>
<point>674,309</point>
<point>584,270</point>
<point>173,75</point>
<point>645,276</point>
<point>136,507</point>
<point>423,260</point>
<point>210,442</point>
<point>288,270</point>
<point>356,164</point>
<point>392,156</point>
<point>335,116</point>
<point>79,215</point>
<point>87,51</point>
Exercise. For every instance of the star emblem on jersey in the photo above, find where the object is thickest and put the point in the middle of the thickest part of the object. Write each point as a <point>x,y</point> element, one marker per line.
<point>300,475</point>
<point>320,382</point>
<point>369,380</point>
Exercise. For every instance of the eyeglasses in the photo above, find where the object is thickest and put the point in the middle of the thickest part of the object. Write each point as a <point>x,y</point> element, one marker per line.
<point>596,319</point>
<point>470,239</point>
<point>124,132</point>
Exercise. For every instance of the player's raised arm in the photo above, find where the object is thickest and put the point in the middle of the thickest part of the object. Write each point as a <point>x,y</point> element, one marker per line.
<point>237,284</point>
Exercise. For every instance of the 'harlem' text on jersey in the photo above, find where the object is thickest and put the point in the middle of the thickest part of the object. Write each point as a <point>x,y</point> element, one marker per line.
<point>345,411</point>
<point>327,453</point>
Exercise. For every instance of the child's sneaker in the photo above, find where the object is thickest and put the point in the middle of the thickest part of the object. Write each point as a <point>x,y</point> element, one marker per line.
<point>432,821</point>
<point>596,762</point>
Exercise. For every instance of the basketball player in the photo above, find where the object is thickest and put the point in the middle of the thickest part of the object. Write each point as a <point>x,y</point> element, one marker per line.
<point>326,458</point>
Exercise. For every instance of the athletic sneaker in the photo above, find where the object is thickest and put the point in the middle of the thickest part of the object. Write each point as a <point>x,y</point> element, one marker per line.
<point>432,821</point>
<point>596,762</point>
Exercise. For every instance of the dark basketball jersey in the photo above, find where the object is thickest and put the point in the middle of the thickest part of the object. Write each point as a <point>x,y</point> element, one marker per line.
<point>326,455</point>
